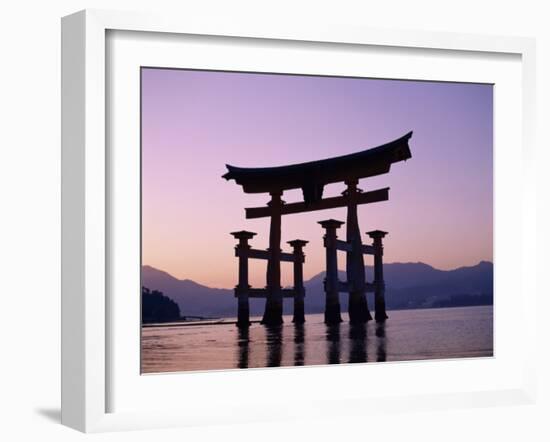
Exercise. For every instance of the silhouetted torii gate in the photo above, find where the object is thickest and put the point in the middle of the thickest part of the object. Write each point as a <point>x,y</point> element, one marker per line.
<point>311,177</point>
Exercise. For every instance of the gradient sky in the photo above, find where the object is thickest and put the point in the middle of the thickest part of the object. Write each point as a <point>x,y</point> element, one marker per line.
<point>440,209</point>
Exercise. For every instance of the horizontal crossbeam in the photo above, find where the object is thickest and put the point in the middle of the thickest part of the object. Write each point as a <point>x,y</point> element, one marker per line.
<point>327,203</point>
<point>346,247</point>
<point>368,250</point>
<point>343,245</point>
<point>343,287</point>
<point>264,254</point>
<point>262,293</point>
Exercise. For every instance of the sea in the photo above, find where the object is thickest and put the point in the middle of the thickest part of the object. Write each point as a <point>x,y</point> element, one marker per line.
<point>408,335</point>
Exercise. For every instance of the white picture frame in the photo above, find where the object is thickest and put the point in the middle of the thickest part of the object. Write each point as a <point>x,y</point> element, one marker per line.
<point>86,353</point>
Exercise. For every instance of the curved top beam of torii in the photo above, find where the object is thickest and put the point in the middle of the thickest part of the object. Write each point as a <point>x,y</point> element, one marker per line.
<point>312,176</point>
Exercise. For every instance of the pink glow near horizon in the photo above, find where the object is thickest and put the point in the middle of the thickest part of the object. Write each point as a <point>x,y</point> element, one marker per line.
<point>441,201</point>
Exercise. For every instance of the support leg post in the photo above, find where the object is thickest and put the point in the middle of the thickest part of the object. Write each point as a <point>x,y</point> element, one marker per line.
<point>241,290</point>
<point>299,290</point>
<point>379,284</point>
<point>332,305</point>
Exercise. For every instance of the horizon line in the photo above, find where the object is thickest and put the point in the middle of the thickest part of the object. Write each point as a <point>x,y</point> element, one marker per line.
<point>323,271</point>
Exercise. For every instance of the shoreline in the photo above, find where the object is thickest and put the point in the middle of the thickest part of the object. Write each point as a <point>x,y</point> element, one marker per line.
<point>222,321</point>
<point>233,321</point>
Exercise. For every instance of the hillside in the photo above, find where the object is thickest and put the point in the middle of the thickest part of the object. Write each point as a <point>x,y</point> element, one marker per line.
<point>408,285</point>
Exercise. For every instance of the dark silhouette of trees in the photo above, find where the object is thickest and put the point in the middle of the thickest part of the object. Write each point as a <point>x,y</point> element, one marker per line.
<point>155,307</point>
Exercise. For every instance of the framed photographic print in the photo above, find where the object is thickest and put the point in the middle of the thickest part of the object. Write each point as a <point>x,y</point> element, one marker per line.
<point>255,217</point>
<point>274,317</point>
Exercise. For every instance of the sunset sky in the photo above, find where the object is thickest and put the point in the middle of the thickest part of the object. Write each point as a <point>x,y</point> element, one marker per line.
<point>440,209</point>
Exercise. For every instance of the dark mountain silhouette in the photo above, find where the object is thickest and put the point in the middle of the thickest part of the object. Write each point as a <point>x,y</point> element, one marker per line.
<point>418,285</point>
<point>193,299</point>
<point>155,307</point>
<point>408,285</point>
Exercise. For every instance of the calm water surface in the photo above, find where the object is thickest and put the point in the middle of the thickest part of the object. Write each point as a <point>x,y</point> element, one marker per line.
<point>407,335</point>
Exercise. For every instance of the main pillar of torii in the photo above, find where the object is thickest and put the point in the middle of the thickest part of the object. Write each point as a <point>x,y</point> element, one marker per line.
<point>273,314</point>
<point>355,265</point>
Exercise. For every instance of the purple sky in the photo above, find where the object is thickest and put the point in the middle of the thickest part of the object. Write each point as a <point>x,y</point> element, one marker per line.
<point>440,209</point>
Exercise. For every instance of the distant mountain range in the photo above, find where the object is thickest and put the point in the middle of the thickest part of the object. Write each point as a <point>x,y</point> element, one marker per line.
<point>408,286</point>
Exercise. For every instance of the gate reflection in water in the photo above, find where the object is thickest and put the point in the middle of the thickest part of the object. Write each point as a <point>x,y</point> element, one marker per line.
<point>410,335</point>
<point>356,344</point>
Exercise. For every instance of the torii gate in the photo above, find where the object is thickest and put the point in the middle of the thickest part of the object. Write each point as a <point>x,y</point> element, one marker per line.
<point>311,177</point>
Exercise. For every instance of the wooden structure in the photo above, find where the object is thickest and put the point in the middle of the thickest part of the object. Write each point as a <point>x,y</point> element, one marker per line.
<point>356,285</point>
<point>311,177</point>
<point>379,284</point>
<point>243,290</point>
